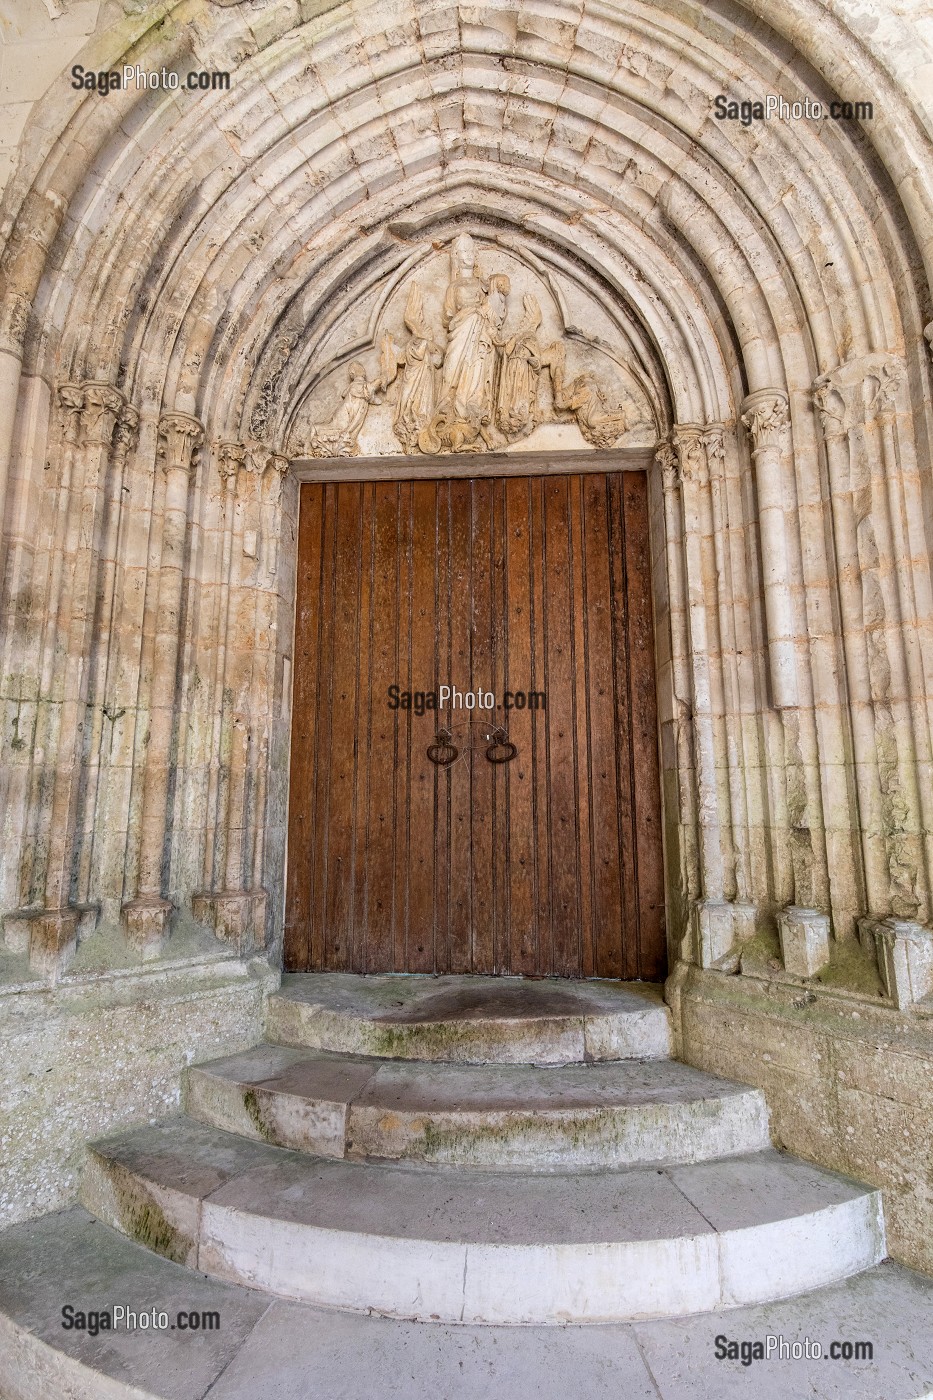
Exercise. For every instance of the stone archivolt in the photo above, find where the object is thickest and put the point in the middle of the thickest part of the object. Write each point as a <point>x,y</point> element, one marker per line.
<point>477,373</point>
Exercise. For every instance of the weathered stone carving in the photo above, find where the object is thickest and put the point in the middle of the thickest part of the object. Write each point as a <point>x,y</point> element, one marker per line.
<point>341,437</point>
<point>473,376</point>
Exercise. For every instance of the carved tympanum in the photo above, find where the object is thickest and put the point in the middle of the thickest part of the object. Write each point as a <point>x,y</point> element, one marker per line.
<point>478,374</point>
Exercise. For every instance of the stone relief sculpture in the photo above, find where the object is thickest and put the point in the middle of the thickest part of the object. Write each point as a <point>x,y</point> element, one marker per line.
<point>340,438</point>
<point>419,361</point>
<point>473,377</point>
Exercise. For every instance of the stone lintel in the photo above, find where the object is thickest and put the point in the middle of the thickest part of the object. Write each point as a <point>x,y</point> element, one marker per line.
<point>804,940</point>
<point>146,922</point>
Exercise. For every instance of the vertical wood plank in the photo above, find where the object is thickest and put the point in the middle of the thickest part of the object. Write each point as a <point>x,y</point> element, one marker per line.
<point>605,870</point>
<point>459,775</point>
<point>336,889</point>
<point>652,959</point>
<point>441,780</point>
<point>363,730</point>
<point>381,825</point>
<point>562,787</point>
<point>581,722</point>
<point>304,692</point>
<point>540,730</point>
<point>481,678</point>
<point>423,837</point>
<point>320,779</point>
<point>522,865</point>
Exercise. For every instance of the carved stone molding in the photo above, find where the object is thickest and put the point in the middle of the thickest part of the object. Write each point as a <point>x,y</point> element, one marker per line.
<point>857,393</point>
<point>766,417</point>
<point>180,437</point>
<point>928,332</point>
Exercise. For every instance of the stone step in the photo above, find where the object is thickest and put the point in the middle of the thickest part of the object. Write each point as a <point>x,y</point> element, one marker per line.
<point>625,1113</point>
<point>266,1348</point>
<point>471,1020</point>
<point>449,1245</point>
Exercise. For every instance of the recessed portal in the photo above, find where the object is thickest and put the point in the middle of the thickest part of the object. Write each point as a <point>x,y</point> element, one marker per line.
<point>474,776</point>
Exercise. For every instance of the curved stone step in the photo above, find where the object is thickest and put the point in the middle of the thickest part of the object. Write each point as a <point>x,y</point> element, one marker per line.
<point>459,1246</point>
<point>471,1020</point>
<point>271,1347</point>
<point>625,1113</point>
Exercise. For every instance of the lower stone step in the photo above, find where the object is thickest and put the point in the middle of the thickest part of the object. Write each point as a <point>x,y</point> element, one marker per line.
<point>519,1116</point>
<point>474,1020</point>
<point>459,1246</point>
<point>247,1346</point>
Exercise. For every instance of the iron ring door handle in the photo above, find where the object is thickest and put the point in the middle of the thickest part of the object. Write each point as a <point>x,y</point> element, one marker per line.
<point>502,743</point>
<point>443,751</point>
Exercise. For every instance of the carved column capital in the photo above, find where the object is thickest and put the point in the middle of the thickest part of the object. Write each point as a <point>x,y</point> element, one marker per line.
<point>180,436</point>
<point>857,393</point>
<point>126,433</point>
<point>714,441</point>
<point>231,457</point>
<point>688,442</point>
<point>766,417</point>
<point>666,458</point>
<point>71,398</point>
<point>102,406</point>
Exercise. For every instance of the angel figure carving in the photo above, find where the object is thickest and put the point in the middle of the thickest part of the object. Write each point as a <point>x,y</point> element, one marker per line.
<point>517,399</point>
<point>340,438</point>
<point>419,363</point>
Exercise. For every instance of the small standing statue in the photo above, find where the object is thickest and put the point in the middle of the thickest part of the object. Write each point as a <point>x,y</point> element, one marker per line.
<point>517,402</point>
<point>419,362</point>
<point>340,438</point>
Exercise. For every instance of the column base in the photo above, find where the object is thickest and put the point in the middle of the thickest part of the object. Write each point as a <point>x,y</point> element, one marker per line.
<point>49,936</point>
<point>804,940</point>
<point>905,958</point>
<point>146,924</point>
<point>719,929</point>
<point>237,917</point>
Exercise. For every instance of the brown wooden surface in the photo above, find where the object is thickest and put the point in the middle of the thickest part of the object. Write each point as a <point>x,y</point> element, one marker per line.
<point>549,864</point>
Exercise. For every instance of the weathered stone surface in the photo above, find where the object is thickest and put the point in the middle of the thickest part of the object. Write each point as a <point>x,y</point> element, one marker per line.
<point>465,1246</point>
<point>97,1053</point>
<point>296,1350</point>
<point>514,1116</point>
<point>847,1084</point>
<point>471,1019</point>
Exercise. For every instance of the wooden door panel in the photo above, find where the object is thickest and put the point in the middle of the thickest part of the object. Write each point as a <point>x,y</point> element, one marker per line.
<point>547,865</point>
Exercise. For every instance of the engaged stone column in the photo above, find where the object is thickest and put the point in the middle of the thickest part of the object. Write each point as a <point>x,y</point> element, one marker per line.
<point>232,903</point>
<point>147,916</point>
<point>48,928</point>
<point>856,404</point>
<point>766,417</point>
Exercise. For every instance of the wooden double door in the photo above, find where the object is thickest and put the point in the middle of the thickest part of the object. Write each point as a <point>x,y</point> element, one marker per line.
<point>521,835</point>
